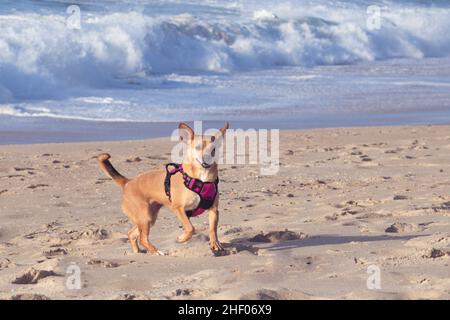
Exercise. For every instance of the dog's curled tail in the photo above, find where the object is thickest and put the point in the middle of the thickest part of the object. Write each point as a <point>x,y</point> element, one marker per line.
<point>107,167</point>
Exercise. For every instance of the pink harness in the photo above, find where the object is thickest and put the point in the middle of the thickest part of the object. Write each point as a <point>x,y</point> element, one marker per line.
<point>207,191</point>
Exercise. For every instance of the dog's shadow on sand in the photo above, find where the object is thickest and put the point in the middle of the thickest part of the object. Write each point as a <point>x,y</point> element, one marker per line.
<point>311,241</point>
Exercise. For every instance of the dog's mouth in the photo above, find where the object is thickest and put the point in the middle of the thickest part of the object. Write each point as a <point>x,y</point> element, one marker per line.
<point>204,164</point>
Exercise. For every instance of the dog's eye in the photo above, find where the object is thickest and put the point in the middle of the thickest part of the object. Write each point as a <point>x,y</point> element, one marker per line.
<point>213,152</point>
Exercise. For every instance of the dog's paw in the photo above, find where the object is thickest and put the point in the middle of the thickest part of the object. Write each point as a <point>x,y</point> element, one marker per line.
<point>216,246</point>
<point>157,253</point>
<point>185,237</point>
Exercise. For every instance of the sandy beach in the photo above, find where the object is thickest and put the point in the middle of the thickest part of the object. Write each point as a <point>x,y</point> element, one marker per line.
<point>344,202</point>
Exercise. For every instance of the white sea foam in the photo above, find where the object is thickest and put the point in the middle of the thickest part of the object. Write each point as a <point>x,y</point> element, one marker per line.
<point>159,45</point>
<point>30,112</point>
<point>39,55</point>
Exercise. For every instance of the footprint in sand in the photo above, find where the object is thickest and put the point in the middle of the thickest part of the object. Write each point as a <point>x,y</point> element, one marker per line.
<point>91,232</point>
<point>62,205</point>
<point>29,296</point>
<point>191,292</point>
<point>233,230</point>
<point>130,296</point>
<point>437,253</point>
<point>392,151</point>
<point>32,276</point>
<point>347,208</point>
<point>289,152</point>
<point>103,263</point>
<point>102,180</point>
<point>278,236</point>
<point>15,176</point>
<point>38,272</point>
<point>280,294</point>
<point>237,247</point>
<point>433,246</point>
<point>58,251</point>
<point>35,186</point>
<point>5,263</point>
<point>136,159</point>
<point>95,233</point>
<point>24,169</point>
<point>47,228</point>
<point>156,158</point>
<point>401,227</point>
<point>441,207</point>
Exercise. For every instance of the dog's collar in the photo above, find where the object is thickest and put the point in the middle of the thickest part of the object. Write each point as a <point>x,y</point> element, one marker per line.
<point>207,191</point>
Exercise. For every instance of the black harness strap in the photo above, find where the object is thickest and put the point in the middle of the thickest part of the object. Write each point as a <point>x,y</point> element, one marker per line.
<point>169,174</point>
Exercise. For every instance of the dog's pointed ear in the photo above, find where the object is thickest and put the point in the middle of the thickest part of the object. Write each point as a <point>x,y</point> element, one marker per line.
<point>186,133</point>
<point>222,131</point>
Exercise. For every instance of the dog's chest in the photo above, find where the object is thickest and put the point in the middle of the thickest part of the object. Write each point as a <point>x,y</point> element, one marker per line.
<point>192,201</point>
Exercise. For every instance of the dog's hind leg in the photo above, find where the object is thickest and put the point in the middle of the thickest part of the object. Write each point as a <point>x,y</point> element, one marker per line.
<point>144,230</point>
<point>143,216</point>
<point>133,235</point>
<point>146,220</point>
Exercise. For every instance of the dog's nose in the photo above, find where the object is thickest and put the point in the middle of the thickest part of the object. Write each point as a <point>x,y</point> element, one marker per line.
<point>205,165</point>
<point>207,159</point>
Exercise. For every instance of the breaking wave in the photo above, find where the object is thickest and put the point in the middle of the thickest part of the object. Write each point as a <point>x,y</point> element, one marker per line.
<point>41,58</point>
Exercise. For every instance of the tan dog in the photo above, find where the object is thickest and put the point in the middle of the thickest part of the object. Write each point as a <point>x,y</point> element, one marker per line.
<point>144,195</point>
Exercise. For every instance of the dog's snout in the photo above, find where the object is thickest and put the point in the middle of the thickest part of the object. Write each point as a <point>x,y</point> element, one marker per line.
<point>207,159</point>
<point>205,164</point>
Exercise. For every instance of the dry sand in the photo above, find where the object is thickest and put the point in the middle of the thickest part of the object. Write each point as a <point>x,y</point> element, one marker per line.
<point>351,198</point>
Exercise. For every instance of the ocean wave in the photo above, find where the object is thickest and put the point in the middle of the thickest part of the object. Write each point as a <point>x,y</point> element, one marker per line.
<point>16,111</point>
<point>41,58</point>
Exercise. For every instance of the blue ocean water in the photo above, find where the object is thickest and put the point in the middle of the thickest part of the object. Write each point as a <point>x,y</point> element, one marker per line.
<point>146,61</point>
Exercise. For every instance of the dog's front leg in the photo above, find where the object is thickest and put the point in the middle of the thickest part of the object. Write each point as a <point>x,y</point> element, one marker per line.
<point>188,228</point>
<point>214,243</point>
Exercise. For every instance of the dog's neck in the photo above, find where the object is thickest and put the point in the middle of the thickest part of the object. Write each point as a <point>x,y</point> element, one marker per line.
<point>203,174</point>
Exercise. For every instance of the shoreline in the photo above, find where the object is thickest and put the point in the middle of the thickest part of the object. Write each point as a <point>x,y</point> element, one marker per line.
<point>29,130</point>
